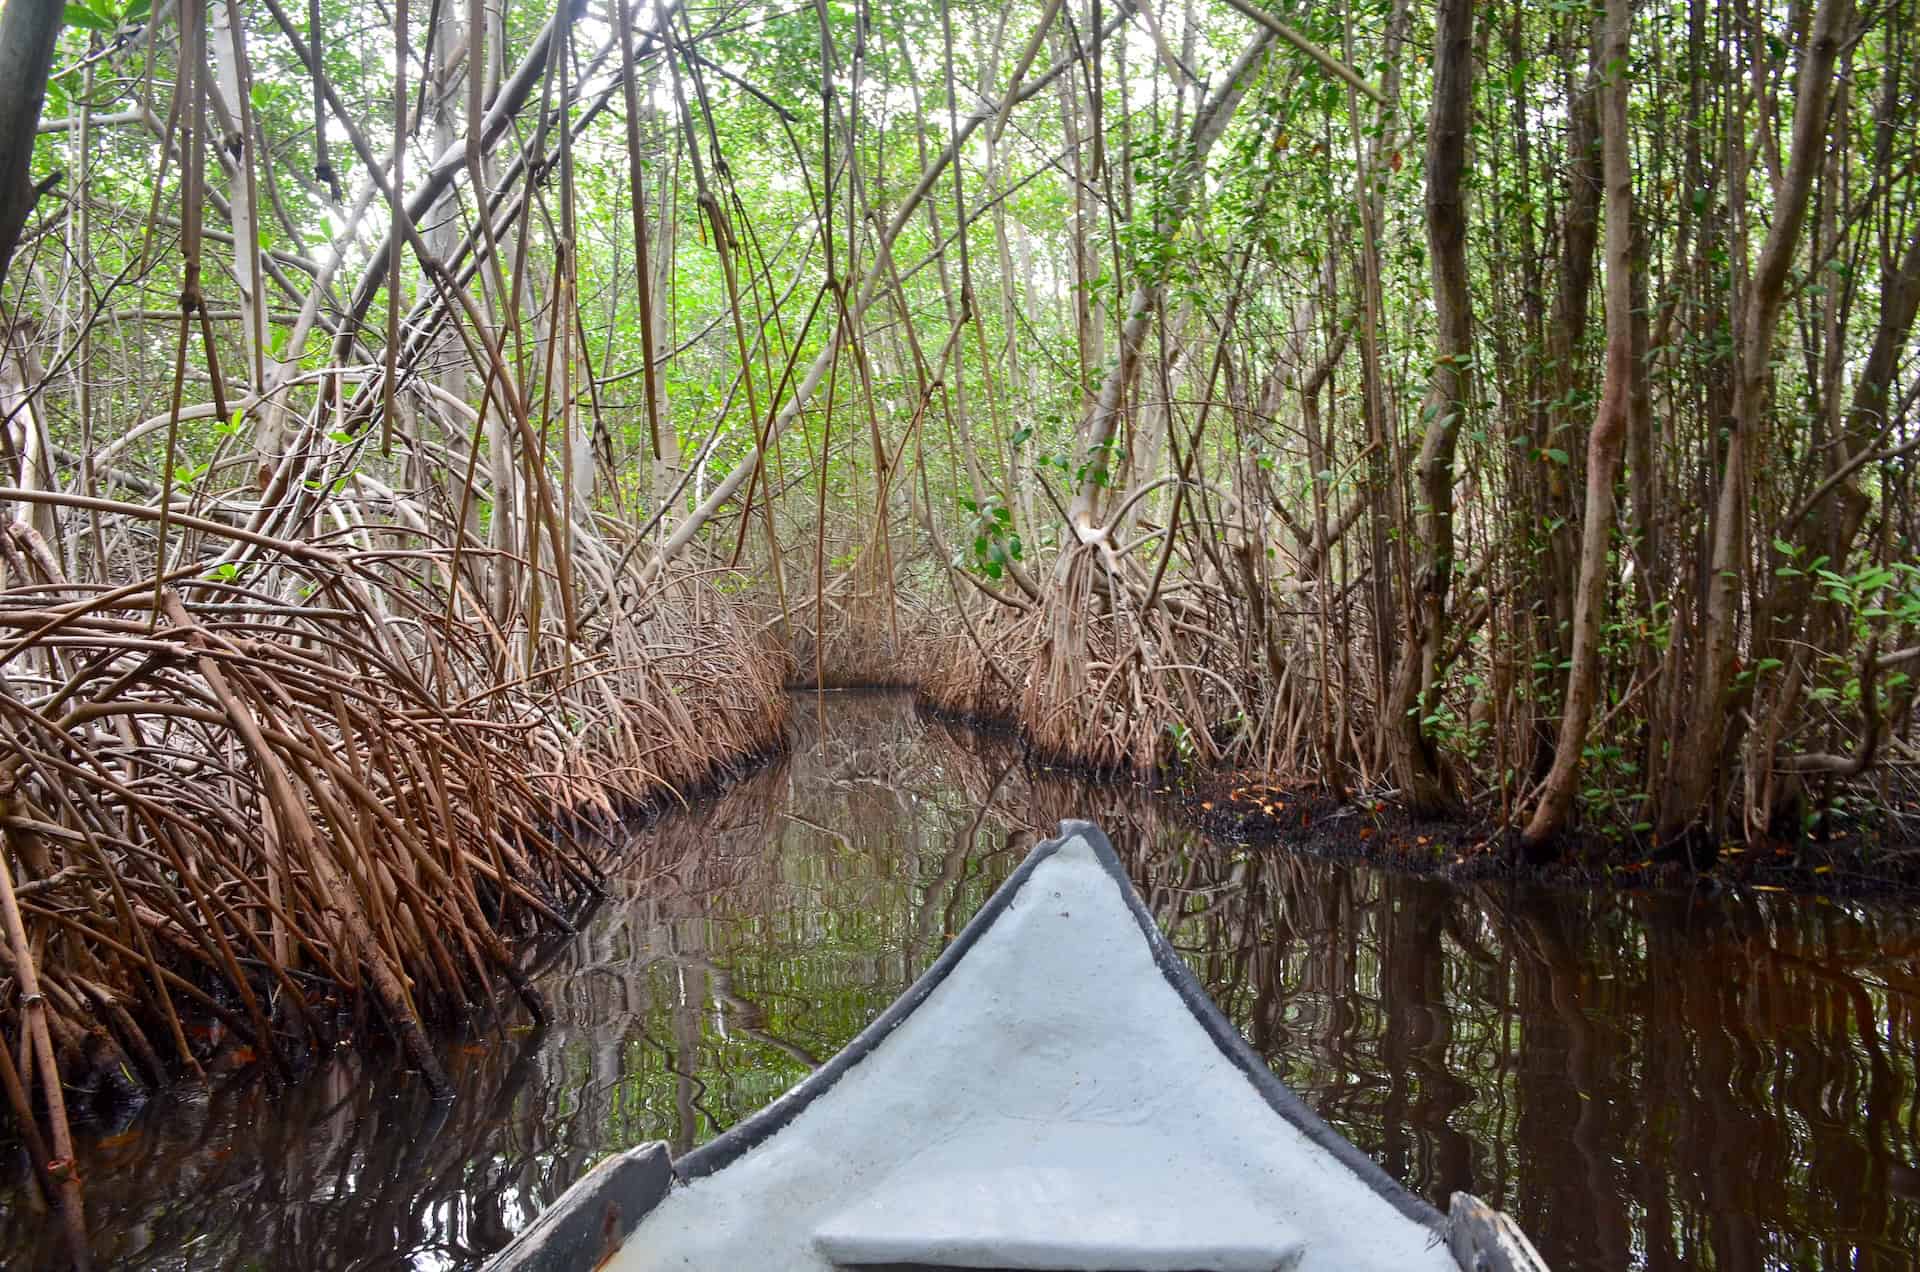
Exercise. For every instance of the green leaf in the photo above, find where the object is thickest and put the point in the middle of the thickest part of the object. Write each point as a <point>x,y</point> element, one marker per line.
<point>81,16</point>
<point>136,10</point>
<point>1555,455</point>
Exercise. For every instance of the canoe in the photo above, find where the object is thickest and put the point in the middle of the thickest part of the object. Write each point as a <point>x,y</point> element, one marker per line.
<point>1056,1092</point>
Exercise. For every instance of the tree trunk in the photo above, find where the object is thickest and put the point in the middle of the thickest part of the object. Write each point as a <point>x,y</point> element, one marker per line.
<point>28,31</point>
<point>225,46</point>
<point>1604,443</point>
<point>24,435</point>
<point>1102,424</point>
<point>1711,729</point>
<point>1416,761</point>
<point>1565,335</point>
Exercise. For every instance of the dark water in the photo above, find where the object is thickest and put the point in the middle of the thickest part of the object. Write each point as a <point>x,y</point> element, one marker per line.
<point>1643,1081</point>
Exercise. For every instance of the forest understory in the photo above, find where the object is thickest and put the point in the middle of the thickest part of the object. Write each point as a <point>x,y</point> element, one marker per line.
<point>431,432</point>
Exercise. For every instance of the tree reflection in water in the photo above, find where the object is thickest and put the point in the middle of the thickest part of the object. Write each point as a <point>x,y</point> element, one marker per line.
<point>1657,1081</point>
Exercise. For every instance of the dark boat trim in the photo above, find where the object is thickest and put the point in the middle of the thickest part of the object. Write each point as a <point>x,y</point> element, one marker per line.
<point>592,1219</point>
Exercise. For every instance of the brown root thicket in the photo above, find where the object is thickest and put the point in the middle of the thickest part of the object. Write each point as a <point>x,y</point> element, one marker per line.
<point>973,671</point>
<point>848,651</point>
<point>275,822</point>
<point>1105,674</point>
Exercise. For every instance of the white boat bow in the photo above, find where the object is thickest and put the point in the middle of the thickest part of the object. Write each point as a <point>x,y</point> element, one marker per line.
<point>1056,1092</point>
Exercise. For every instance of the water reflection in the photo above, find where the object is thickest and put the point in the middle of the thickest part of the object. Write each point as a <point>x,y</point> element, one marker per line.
<point>1644,1081</point>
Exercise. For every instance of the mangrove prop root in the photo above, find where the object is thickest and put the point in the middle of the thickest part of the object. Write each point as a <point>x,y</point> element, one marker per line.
<point>315,792</point>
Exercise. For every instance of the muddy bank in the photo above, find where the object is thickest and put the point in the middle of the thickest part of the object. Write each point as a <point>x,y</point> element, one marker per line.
<point>1250,808</point>
<point>1374,829</point>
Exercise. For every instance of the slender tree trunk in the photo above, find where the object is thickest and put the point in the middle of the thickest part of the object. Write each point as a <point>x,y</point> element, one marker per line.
<point>1555,452</point>
<point>1099,430</point>
<point>1410,746</point>
<point>25,427</point>
<point>450,68</point>
<point>226,47</point>
<point>1526,428</point>
<point>1370,198</point>
<point>1604,442</point>
<point>1642,477</point>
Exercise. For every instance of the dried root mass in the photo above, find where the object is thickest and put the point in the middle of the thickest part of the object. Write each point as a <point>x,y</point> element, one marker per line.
<point>231,815</point>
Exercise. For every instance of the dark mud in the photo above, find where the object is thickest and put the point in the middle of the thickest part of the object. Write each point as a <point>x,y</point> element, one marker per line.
<point>1857,862</point>
<point>1866,857</point>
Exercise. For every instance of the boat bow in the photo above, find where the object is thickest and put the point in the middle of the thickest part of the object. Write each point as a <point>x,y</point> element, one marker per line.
<point>1056,1092</point>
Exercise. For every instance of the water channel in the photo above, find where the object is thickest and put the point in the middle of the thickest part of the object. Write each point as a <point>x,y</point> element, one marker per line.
<point>1644,1081</point>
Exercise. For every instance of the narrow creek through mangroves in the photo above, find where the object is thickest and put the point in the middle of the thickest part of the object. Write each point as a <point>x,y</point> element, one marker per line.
<point>1658,1081</point>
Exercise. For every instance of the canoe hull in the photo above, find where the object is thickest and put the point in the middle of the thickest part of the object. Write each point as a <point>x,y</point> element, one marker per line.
<point>1056,1092</point>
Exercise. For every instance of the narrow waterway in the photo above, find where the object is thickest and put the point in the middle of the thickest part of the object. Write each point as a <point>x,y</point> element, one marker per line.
<point>1643,1081</point>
